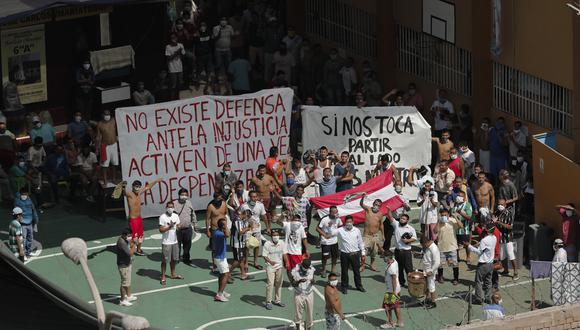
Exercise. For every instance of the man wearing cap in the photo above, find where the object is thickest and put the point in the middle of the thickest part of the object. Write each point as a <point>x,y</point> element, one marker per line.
<point>29,218</point>
<point>15,241</point>
<point>45,131</point>
<point>483,273</point>
<point>560,254</point>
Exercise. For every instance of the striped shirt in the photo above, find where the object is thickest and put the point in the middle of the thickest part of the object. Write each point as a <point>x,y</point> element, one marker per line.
<point>506,217</point>
<point>239,239</point>
<point>15,230</point>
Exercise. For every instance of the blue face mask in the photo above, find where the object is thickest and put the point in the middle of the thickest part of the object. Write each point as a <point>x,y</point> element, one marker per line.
<point>290,182</point>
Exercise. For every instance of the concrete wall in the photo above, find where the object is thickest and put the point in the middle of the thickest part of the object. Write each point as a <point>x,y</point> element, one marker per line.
<point>553,318</point>
<point>555,184</point>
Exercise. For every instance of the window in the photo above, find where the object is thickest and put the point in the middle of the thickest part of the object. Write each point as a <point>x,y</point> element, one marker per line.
<point>434,60</point>
<point>351,28</point>
<point>532,99</point>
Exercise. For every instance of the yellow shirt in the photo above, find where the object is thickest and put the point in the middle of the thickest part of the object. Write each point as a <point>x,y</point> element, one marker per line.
<point>447,239</point>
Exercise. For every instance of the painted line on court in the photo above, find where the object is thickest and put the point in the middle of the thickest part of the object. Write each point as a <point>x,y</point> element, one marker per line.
<point>196,238</point>
<point>371,311</point>
<point>185,285</point>
<point>205,326</point>
<point>319,294</point>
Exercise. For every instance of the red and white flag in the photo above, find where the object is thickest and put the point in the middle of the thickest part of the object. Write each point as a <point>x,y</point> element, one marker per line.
<point>348,201</point>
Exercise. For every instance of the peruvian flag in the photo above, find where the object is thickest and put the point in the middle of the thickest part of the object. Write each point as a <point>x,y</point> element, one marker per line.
<point>348,201</point>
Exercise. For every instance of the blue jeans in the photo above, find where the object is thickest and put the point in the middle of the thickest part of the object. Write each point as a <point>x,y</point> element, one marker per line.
<point>223,59</point>
<point>27,235</point>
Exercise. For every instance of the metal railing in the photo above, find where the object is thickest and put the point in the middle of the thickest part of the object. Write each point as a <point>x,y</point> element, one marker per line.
<point>434,60</point>
<point>350,27</point>
<point>532,99</point>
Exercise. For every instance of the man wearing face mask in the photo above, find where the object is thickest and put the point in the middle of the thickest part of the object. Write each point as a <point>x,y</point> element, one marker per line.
<point>431,262</point>
<point>134,203</point>
<point>560,254</point>
<point>374,236</point>
<point>169,223</point>
<point>483,273</point>
<point>328,183</point>
<point>226,176</point>
<point>333,313</point>
<point>273,254</point>
<point>387,227</point>
<point>428,201</point>
<point>15,236</point>
<point>296,243</point>
<point>29,219</point>
<point>447,244</point>
<point>328,240</point>
<point>222,34</point>
<point>462,210</point>
<point>517,139</point>
<point>174,51</point>
<point>504,221</point>
<point>482,141</point>
<point>456,163</point>
<point>216,210</point>
<point>187,221</point>
<point>85,78</point>
<point>352,253</point>
<point>302,275</point>
<point>219,249</point>
<point>404,236</point>
<point>442,111</point>
<point>109,154</point>
<point>264,184</point>
<point>391,299</point>
<point>77,129</point>
<point>507,190</point>
<point>203,51</point>
<point>258,214</point>
<point>239,197</point>
<point>570,217</point>
<point>44,130</point>
<point>444,145</point>
<point>412,98</point>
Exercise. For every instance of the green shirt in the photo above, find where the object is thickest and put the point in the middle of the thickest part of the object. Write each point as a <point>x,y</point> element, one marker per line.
<point>465,207</point>
<point>15,230</point>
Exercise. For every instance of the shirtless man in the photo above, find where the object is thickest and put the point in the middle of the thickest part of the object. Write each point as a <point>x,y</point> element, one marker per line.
<point>333,312</point>
<point>484,193</point>
<point>373,235</point>
<point>107,134</point>
<point>216,210</point>
<point>264,184</point>
<point>135,219</point>
<point>444,145</point>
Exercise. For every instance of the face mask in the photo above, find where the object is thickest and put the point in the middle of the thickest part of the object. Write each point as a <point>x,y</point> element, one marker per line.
<point>464,150</point>
<point>182,198</point>
<point>86,66</point>
<point>136,189</point>
<point>453,156</point>
<point>459,199</point>
<point>169,210</point>
<point>444,219</point>
<point>38,124</point>
<point>223,23</point>
<point>569,213</point>
<point>398,189</point>
<point>333,283</point>
<point>375,209</point>
<point>107,117</point>
<point>514,162</point>
<point>78,119</point>
<point>275,239</point>
<point>444,139</point>
<point>290,182</point>
<point>295,225</point>
<point>500,302</point>
<point>252,203</point>
<point>500,208</point>
<point>203,28</point>
<point>349,226</point>
<point>484,127</point>
<point>23,197</point>
<point>22,164</point>
<point>520,159</point>
<point>516,131</point>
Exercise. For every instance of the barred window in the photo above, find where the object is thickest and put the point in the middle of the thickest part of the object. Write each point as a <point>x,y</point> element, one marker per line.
<point>352,28</point>
<point>434,60</point>
<point>532,99</point>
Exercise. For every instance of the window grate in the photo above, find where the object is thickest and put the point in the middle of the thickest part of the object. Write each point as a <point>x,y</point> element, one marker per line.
<point>532,99</point>
<point>434,60</point>
<point>351,28</point>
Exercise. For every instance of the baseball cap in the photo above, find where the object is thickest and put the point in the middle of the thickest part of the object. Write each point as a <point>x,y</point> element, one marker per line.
<point>17,211</point>
<point>35,119</point>
<point>558,241</point>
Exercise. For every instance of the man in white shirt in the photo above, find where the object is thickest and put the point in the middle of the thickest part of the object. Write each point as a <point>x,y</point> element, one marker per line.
<point>173,52</point>
<point>303,274</point>
<point>352,250</point>
<point>431,261</point>
<point>560,254</point>
<point>442,110</point>
<point>296,247</point>
<point>328,240</point>
<point>273,254</point>
<point>486,253</point>
<point>517,139</point>
<point>391,300</point>
<point>404,236</point>
<point>168,225</point>
<point>258,213</point>
<point>222,35</point>
<point>427,200</point>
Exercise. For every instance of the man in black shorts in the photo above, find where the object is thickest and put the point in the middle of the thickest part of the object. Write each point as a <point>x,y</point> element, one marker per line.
<point>240,234</point>
<point>328,241</point>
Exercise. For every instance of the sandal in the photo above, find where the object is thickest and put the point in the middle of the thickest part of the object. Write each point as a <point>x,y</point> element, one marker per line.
<point>177,277</point>
<point>163,282</point>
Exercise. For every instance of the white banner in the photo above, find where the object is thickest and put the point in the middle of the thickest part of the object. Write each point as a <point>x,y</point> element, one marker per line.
<point>367,134</point>
<point>187,142</point>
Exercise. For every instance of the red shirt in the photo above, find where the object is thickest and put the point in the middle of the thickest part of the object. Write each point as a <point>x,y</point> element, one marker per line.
<point>454,166</point>
<point>569,228</point>
<point>274,167</point>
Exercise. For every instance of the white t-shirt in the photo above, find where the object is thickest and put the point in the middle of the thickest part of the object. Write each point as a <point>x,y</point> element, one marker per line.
<point>327,225</point>
<point>170,236</point>
<point>440,123</point>
<point>428,213</point>
<point>174,65</point>
<point>392,269</point>
<point>36,157</point>
<point>399,232</point>
<point>87,163</point>
<point>274,252</point>
<point>560,256</point>
<point>295,233</point>
<point>257,210</point>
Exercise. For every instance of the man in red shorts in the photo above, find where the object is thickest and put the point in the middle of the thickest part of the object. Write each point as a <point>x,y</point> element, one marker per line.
<point>135,219</point>
<point>295,240</point>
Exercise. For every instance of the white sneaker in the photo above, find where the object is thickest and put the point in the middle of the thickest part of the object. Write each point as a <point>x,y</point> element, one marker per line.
<point>131,298</point>
<point>125,303</point>
<point>227,295</point>
<point>219,297</point>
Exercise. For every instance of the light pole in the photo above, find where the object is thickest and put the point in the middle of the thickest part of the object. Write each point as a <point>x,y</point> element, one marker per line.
<point>76,250</point>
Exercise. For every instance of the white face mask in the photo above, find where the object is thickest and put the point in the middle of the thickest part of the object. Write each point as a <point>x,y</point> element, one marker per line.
<point>333,283</point>
<point>203,28</point>
<point>183,198</point>
<point>453,156</point>
<point>24,197</point>
<point>275,239</point>
<point>169,210</point>
<point>569,213</point>
<point>38,124</point>
<point>520,159</point>
<point>444,219</point>
<point>459,199</point>
<point>500,208</point>
<point>107,117</point>
<point>398,189</point>
<point>78,119</point>
<point>252,203</point>
<point>86,66</point>
<point>349,226</point>
<point>22,164</point>
<point>500,301</point>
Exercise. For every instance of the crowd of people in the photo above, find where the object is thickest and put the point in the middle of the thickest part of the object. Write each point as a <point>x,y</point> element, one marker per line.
<point>475,196</point>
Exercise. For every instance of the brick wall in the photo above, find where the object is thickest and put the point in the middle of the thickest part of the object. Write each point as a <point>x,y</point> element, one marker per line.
<point>554,318</point>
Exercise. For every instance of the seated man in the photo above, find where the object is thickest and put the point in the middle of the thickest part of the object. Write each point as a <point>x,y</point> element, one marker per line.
<point>56,169</point>
<point>86,169</point>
